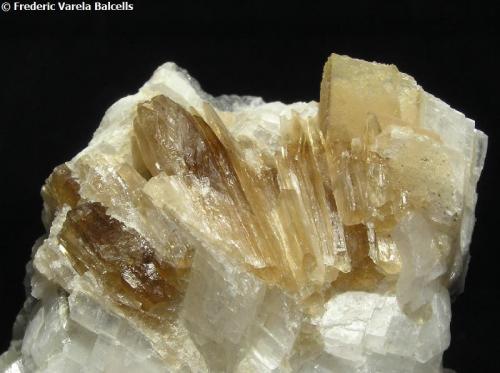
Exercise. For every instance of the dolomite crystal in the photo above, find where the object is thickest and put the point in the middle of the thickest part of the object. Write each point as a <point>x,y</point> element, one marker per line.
<point>202,234</point>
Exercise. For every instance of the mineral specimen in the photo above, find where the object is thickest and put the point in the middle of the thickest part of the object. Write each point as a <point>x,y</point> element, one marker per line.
<point>202,234</point>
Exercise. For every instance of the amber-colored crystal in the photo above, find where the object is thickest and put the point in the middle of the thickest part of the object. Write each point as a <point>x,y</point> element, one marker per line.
<point>122,258</point>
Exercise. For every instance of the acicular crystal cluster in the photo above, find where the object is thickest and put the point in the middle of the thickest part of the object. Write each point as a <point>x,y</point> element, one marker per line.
<point>202,234</point>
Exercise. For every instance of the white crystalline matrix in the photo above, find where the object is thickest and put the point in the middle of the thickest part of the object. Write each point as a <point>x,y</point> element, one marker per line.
<point>202,234</point>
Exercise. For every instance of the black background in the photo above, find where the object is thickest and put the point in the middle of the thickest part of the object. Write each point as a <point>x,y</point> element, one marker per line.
<point>60,71</point>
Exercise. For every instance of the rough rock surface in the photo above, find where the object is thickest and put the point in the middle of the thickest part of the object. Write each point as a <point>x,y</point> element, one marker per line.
<point>202,234</point>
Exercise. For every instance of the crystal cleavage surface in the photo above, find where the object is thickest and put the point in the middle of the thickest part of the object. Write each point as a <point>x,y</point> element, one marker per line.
<point>202,234</point>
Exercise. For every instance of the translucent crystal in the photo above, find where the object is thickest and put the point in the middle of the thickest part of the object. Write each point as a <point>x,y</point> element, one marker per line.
<point>202,234</point>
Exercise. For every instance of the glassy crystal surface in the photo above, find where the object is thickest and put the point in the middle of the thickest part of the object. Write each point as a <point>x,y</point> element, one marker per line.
<point>202,234</point>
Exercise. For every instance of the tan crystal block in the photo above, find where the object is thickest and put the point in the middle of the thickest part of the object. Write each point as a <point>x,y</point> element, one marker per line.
<point>352,90</point>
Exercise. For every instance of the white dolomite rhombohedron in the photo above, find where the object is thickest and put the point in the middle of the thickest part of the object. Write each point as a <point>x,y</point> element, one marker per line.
<point>202,234</point>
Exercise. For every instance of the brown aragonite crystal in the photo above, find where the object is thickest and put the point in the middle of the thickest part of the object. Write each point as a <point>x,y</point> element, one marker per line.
<point>60,188</point>
<point>123,259</point>
<point>201,234</point>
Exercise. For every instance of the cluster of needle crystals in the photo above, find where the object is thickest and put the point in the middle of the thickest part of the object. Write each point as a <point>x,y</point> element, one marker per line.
<point>202,234</point>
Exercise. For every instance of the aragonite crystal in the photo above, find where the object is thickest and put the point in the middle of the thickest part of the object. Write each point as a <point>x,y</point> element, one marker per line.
<point>202,234</point>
